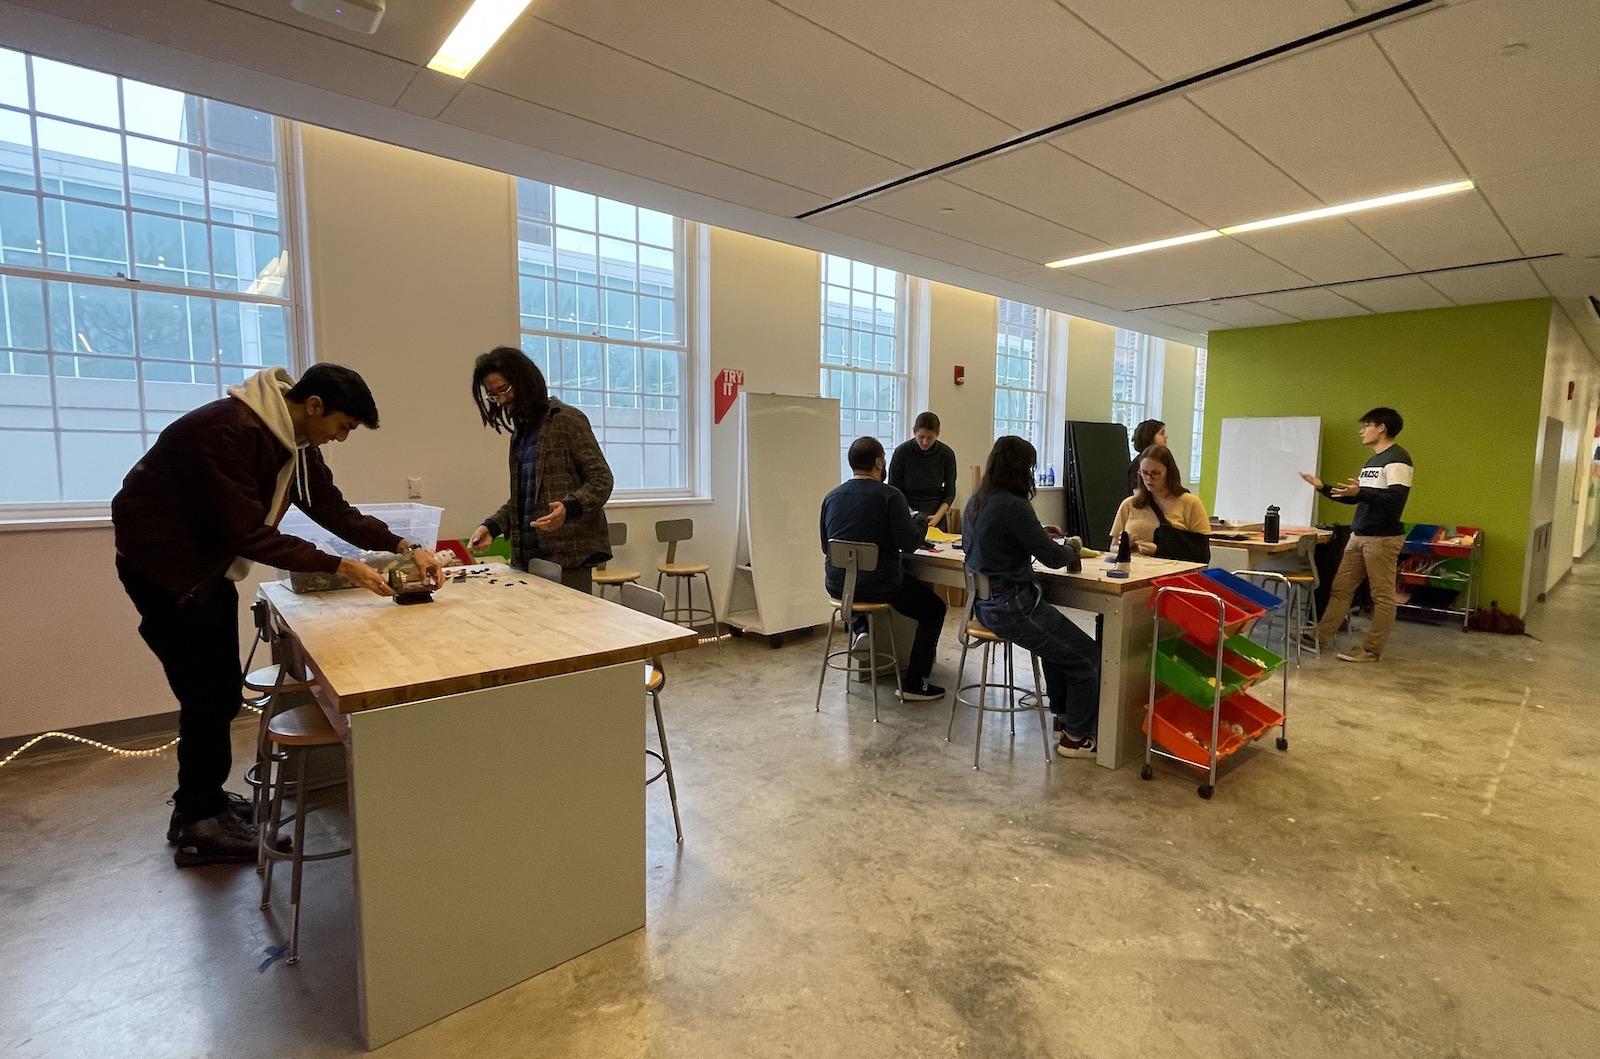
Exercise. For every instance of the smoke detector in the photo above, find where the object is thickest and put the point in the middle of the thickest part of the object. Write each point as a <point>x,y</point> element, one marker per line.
<point>360,16</point>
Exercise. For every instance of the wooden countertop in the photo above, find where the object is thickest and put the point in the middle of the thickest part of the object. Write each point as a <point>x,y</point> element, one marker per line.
<point>1093,578</point>
<point>1288,541</point>
<point>367,651</point>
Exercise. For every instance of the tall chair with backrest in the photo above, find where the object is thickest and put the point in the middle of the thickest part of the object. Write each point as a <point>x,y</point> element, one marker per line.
<point>265,689</point>
<point>856,558</point>
<point>672,532</point>
<point>608,576</point>
<point>1017,699</point>
<point>648,601</point>
<point>546,569</point>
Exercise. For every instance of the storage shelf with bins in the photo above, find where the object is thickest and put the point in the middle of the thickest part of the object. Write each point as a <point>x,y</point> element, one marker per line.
<point>1207,670</point>
<point>1440,572</point>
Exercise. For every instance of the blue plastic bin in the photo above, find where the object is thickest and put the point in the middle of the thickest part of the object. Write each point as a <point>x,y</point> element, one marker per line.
<point>1245,590</point>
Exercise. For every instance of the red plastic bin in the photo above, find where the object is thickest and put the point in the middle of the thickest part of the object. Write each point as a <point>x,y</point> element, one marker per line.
<point>1198,617</point>
<point>1455,551</point>
<point>1183,730</point>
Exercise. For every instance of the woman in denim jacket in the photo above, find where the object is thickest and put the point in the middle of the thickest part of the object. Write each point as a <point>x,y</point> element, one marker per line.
<point>1002,537</point>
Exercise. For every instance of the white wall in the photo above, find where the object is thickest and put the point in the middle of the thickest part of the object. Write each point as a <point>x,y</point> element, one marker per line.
<point>1567,361</point>
<point>411,262</point>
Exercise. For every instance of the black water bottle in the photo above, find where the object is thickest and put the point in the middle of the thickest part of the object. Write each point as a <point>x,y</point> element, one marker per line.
<point>1269,526</point>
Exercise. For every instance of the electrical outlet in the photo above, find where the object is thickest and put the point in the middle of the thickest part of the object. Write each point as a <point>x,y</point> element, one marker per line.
<point>414,488</point>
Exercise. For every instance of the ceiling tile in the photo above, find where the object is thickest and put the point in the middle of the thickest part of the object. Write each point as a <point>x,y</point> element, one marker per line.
<point>1046,181</point>
<point>1180,318</point>
<point>1393,295</point>
<point>1007,56</point>
<point>1570,277</point>
<point>1242,312</point>
<point>1492,283</point>
<point>1335,118</point>
<point>214,31</point>
<point>1501,111</point>
<point>1325,251</point>
<point>864,223</point>
<point>518,121</point>
<point>1174,151</point>
<point>545,64</point>
<point>781,62</point>
<point>429,93</point>
<point>1454,230</point>
<point>1314,304</point>
<point>412,32</point>
<point>1178,37</point>
<point>1551,208</point>
<point>980,220</point>
<point>1056,281</point>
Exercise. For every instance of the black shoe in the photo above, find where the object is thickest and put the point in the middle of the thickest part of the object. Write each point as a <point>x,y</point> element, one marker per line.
<point>220,839</point>
<point>238,805</point>
<point>921,691</point>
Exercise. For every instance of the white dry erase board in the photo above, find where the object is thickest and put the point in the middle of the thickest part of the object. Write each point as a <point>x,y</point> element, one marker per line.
<point>1259,464</point>
<point>788,460</point>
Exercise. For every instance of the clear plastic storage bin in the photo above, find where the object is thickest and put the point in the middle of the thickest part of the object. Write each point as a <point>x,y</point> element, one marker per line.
<point>418,523</point>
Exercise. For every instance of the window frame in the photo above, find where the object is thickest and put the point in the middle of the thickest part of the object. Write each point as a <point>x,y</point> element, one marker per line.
<point>903,295</point>
<point>688,276</point>
<point>289,299</point>
<point>1039,434</point>
<point>1198,416</point>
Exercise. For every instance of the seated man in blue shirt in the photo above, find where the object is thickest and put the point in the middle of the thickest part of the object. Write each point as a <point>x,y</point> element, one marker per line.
<point>867,511</point>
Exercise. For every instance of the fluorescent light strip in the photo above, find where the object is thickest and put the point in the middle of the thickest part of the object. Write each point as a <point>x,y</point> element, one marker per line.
<point>1271,222</point>
<point>484,23</point>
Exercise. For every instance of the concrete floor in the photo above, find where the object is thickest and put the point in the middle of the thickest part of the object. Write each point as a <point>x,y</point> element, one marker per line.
<point>1417,877</point>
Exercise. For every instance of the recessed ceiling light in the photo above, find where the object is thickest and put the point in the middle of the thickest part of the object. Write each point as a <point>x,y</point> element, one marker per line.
<point>947,209</point>
<point>483,24</point>
<point>1272,222</point>
<point>1516,47</point>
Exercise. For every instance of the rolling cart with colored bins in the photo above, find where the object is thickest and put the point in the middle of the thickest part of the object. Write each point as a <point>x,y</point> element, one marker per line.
<point>1214,611</point>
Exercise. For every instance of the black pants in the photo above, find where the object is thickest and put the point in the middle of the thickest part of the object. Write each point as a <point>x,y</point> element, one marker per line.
<point>198,645</point>
<point>919,603</point>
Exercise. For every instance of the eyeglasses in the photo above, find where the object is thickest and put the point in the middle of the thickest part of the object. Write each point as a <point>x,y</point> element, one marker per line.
<point>498,392</point>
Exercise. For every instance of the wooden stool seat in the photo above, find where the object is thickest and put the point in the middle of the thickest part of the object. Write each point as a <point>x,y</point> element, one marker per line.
<point>654,679</point>
<point>1300,579</point>
<point>302,726</point>
<point>864,608</point>
<point>978,631</point>
<point>265,680</point>
<point>683,569</point>
<point>609,576</point>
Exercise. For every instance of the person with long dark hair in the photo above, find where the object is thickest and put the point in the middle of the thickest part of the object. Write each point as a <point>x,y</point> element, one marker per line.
<point>560,480</point>
<point>1002,537</point>
<point>1159,483</point>
<point>1150,432</point>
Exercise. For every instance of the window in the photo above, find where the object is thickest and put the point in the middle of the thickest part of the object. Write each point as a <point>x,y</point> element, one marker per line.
<point>1020,390</point>
<point>863,351</point>
<point>1130,378</point>
<point>603,315</point>
<point>144,266</point>
<point>1199,414</point>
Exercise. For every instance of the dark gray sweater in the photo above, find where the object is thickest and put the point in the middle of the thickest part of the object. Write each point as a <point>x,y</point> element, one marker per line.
<point>1004,538</point>
<point>928,479</point>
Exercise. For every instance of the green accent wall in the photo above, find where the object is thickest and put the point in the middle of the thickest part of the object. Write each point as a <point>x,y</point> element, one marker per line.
<point>1467,380</point>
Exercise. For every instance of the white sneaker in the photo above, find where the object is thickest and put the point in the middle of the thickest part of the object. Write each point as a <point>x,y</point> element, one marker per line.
<point>1358,654</point>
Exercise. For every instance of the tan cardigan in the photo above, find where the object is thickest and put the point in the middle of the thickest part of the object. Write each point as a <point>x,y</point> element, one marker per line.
<point>1186,513</point>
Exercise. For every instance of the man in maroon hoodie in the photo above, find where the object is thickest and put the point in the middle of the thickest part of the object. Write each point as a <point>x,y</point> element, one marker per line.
<point>192,515</point>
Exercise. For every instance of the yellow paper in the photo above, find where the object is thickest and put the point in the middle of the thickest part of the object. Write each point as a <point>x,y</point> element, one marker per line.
<point>939,536</point>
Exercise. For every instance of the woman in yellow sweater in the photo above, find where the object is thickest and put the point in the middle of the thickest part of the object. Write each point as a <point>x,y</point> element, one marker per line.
<point>1159,483</point>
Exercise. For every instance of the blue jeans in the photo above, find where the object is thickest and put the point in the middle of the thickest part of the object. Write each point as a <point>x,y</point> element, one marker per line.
<point>1069,657</point>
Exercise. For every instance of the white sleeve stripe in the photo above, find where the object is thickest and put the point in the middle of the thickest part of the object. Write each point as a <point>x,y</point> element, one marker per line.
<point>1395,474</point>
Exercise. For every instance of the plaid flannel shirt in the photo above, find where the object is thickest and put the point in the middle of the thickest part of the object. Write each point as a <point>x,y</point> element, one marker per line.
<point>569,467</point>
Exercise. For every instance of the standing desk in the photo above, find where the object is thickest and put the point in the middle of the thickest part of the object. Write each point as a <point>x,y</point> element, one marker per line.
<point>1125,632</point>
<point>494,739</point>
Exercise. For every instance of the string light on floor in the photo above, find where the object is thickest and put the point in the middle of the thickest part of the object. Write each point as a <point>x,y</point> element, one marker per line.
<point>114,751</point>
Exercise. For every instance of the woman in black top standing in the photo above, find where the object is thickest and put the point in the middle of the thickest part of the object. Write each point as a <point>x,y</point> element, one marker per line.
<point>924,469</point>
<point>1150,432</point>
<point>1002,536</point>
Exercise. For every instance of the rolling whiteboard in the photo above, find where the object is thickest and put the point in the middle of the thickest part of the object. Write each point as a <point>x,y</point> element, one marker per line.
<point>1260,463</point>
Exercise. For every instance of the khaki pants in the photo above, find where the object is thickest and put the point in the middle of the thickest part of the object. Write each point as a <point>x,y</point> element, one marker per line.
<point>1374,559</point>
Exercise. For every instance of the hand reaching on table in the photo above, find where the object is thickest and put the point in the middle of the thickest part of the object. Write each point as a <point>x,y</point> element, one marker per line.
<point>363,576</point>
<point>481,539</point>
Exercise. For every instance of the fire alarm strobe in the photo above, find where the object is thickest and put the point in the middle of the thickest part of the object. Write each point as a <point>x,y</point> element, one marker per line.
<point>360,16</point>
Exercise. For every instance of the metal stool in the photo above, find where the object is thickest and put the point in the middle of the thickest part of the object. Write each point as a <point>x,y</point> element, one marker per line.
<point>292,734</point>
<point>607,577</point>
<point>670,532</point>
<point>1303,585</point>
<point>856,558</point>
<point>648,601</point>
<point>264,689</point>
<point>1016,697</point>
